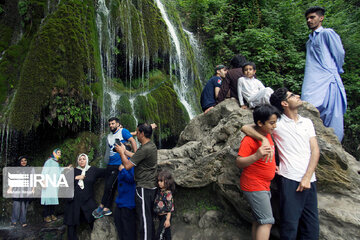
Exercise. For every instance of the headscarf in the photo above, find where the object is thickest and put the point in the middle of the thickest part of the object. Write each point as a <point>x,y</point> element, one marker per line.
<point>83,170</point>
<point>54,154</point>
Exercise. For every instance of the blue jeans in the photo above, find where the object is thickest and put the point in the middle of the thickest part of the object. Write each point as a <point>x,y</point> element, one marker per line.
<point>298,211</point>
<point>19,211</point>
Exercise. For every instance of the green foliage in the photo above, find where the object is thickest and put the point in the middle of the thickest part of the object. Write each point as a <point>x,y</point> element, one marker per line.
<point>67,111</point>
<point>351,141</point>
<point>23,6</point>
<point>5,36</point>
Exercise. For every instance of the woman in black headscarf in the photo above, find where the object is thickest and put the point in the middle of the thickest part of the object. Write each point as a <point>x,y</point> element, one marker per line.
<point>83,202</point>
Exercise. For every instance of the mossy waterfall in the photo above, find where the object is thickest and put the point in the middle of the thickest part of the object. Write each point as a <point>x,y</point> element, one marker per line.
<point>78,62</point>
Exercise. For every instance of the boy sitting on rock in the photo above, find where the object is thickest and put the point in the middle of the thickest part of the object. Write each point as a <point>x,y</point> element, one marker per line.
<point>251,89</point>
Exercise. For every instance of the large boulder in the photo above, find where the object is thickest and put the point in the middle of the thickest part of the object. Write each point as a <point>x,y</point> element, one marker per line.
<point>206,153</point>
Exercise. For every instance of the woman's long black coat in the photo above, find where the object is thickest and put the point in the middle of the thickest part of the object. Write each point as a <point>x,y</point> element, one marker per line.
<point>83,199</point>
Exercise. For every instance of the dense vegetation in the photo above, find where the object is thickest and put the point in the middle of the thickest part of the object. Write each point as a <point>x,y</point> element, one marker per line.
<point>273,35</point>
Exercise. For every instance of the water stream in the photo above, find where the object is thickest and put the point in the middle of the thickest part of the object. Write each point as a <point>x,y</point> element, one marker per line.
<point>181,88</point>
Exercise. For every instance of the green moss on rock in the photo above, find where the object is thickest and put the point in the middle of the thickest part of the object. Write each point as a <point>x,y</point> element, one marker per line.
<point>128,121</point>
<point>84,142</point>
<point>123,105</point>
<point>62,51</point>
<point>164,108</point>
<point>5,36</point>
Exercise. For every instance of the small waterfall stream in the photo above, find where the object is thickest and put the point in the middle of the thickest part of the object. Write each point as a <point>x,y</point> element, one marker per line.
<point>183,87</point>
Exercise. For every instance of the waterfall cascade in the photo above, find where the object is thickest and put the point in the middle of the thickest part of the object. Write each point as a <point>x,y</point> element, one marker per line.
<point>116,31</point>
<point>182,87</point>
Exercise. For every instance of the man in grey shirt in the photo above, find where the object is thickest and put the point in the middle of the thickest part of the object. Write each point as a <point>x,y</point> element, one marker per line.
<point>145,163</point>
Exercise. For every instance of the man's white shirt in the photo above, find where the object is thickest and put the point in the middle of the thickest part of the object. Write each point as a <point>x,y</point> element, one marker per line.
<point>293,142</point>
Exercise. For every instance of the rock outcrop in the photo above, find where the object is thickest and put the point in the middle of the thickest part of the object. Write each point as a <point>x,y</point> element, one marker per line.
<point>206,153</point>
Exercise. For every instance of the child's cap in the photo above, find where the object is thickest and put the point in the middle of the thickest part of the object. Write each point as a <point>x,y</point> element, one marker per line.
<point>219,67</point>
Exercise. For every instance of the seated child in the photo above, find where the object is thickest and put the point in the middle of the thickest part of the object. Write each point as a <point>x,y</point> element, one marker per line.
<point>258,171</point>
<point>251,89</point>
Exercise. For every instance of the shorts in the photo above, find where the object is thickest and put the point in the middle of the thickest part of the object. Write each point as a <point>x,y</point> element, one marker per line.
<point>261,206</point>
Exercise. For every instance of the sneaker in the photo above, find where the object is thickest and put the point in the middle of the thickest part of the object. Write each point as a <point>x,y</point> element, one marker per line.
<point>97,212</point>
<point>107,213</point>
<point>98,215</point>
<point>53,217</point>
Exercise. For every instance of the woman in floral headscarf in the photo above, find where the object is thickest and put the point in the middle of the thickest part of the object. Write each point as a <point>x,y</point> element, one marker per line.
<point>83,200</point>
<point>49,194</point>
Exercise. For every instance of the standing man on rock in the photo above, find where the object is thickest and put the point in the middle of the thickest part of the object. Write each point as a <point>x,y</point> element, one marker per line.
<point>212,88</point>
<point>322,84</point>
<point>299,155</point>
<point>145,163</point>
<point>114,161</point>
<point>230,82</point>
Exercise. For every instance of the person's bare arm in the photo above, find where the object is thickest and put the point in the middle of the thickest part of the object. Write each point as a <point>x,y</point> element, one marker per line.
<point>153,126</point>
<point>125,162</point>
<point>167,221</point>
<point>314,159</point>
<point>133,144</point>
<point>217,90</point>
<point>262,151</point>
<point>249,129</point>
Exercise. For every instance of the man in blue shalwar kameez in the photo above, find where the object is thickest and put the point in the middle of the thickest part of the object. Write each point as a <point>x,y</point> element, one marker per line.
<point>322,84</point>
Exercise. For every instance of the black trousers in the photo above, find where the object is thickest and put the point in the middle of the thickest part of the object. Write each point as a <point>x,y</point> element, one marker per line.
<point>125,222</point>
<point>162,232</point>
<point>144,201</point>
<point>110,185</point>
<point>48,210</point>
<point>71,231</point>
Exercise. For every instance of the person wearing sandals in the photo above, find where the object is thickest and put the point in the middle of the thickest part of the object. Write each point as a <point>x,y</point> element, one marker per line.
<point>49,195</point>
<point>83,201</point>
<point>20,200</point>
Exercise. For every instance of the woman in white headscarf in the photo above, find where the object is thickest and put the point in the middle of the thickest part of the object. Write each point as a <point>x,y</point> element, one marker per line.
<point>83,202</point>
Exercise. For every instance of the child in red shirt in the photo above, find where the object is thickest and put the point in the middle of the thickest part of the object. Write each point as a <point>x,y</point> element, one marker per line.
<point>258,171</point>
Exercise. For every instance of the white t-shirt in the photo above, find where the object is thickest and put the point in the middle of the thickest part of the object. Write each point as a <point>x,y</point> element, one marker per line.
<point>293,142</point>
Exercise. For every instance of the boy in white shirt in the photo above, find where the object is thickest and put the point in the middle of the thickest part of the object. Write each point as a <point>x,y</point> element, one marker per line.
<point>251,89</point>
